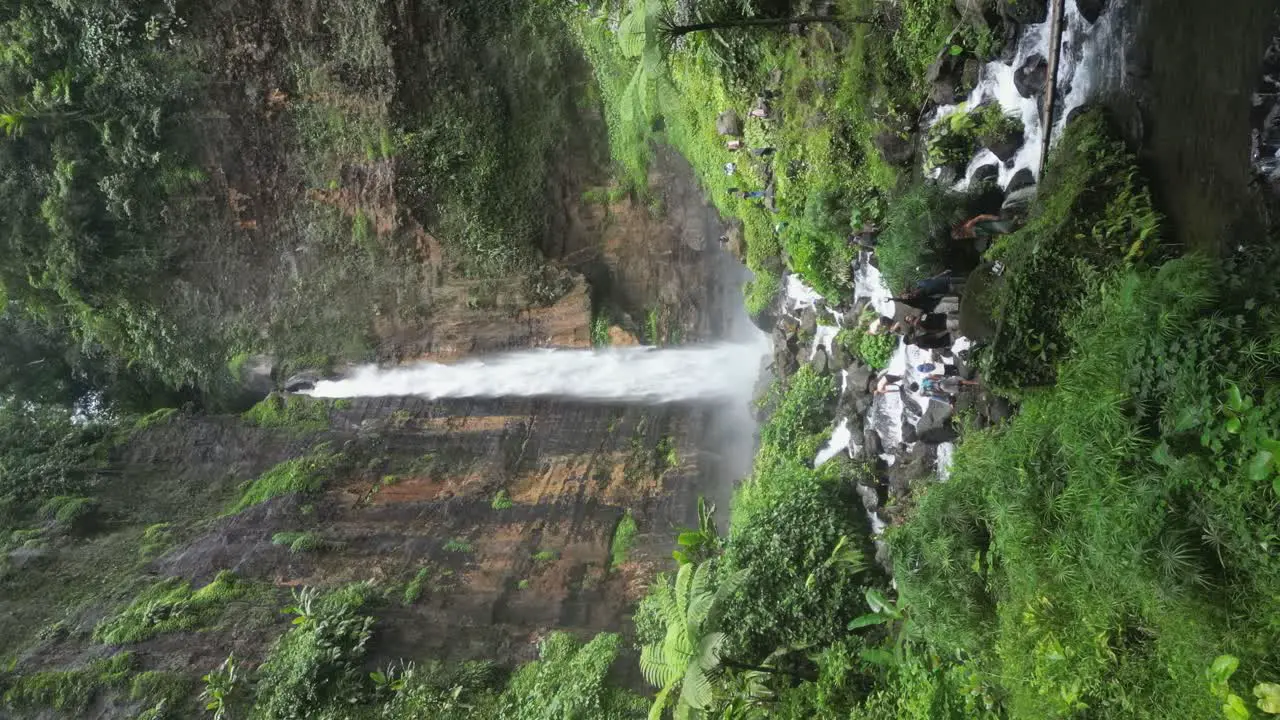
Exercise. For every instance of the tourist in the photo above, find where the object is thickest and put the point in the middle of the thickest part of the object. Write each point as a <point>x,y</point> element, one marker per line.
<point>982,226</point>
<point>888,383</point>
<point>941,386</point>
<point>918,300</point>
<point>940,284</point>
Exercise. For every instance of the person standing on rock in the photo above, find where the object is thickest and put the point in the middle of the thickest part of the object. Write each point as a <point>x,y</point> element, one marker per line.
<point>982,226</point>
<point>940,284</point>
<point>941,387</point>
<point>888,383</point>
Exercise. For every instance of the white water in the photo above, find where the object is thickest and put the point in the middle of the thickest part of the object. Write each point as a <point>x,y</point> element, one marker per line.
<point>633,374</point>
<point>1090,56</point>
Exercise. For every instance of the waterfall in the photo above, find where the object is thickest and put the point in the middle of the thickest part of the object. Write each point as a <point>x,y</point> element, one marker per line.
<point>721,371</point>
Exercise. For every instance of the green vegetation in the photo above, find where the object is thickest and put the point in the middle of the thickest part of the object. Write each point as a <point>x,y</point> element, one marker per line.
<point>307,474</point>
<point>458,545</point>
<point>543,557</point>
<point>915,241</point>
<point>155,418</point>
<point>600,331</point>
<point>428,577</point>
<point>1096,215</point>
<point>624,536</point>
<point>155,538</point>
<point>300,542</point>
<point>296,412</point>
<point>69,691</point>
<point>954,139</point>
<point>168,606</point>
<point>501,501</point>
<point>68,511</point>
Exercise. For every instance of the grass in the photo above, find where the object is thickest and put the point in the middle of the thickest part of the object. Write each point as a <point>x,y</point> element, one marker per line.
<point>1106,571</point>
<point>624,537</point>
<point>600,331</point>
<point>69,691</point>
<point>1095,216</point>
<point>169,606</point>
<point>545,557</point>
<point>155,538</point>
<point>295,412</point>
<point>428,577</point>
<point>307,474</point>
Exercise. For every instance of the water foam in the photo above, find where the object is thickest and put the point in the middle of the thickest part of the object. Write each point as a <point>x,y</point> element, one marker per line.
<point>632,374</point>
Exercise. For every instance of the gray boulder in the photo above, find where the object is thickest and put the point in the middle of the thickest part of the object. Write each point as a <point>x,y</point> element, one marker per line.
<point>808,321</point>
<point>1091,10</point>
<point>838,359</point>
<point>894,148</point>
<point>1024,12</point>
<point>1030,78</point>
<point>819,362</point>
<point>728,123</point>
<point>986,173</point>
<point>1021,179</point>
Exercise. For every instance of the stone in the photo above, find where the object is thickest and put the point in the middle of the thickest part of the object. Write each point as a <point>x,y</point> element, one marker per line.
<point>1021,179</point>
<point>1019,201</point>
<point>837,359</point>
<point>808,321</point>
<point>728,123</point>
<point>1004,145</point>
<point>944,79</point>
<point>970,74</point>
<point>859,378</point>
<point>934,425</point>
<point>986,173</point>
<point>619,337</point>
<point>908,432</point>
<point>1030,78</point>
<point>819,362</point>
<point>784,361</point>
<point>861,403</point>
<point>1091,10</point>
<point>871,441</point>
<point>1024,12</point>
<point>894,148</point>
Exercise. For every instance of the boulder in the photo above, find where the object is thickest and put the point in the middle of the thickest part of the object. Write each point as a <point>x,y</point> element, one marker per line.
<point>1017,202</point>
<point>970,74</point>
<point>728,123</point>
<point>1091,10</point>
<point>819,362</point>
<point>861,403</point>
<point>1004,145</point>
<point>859,378</point>
<point>1024,12</point>
<point>1030,78</point>
<point>837,359</point>
<point>784,360</point>
<point>986,173</point>
<point>945,79</point>
<point>894,148</point>
<point>934,425</point>
<point>808,321</point>
<point>1021,179</point>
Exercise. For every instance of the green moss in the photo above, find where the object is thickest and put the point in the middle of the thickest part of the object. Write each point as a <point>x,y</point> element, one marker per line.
<point>295,412</point>
<point>299,542</point>
<point>235,366</point>
<point>69,691</point>
<point>624,536</point>
<point>501,501</point>
<point>169,606</point>
<point>307,474</point>
<point>169,689</point>
<point>68,510</point>
<point>543,557</point>
<point>155,418</point>
<point>458,545</point>
<point>155,538</point>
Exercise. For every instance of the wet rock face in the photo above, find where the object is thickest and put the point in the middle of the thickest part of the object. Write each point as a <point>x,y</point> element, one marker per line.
<point>1024,12</point>
<point>986,173</point>
<point>819,362</point>
<point>1021,179</point>
<point>946,79</point>
<point>1265,116</point>
<point>1004,145</point>
<point>1030,79</point>
<point>1091,10</point>
<point>894,149</point>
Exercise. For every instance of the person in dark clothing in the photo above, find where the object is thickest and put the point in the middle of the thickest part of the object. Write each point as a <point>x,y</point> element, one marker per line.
<point>932,322</point>
<point>926,340</point>
<point>940,284</point>
<point>914,298</point>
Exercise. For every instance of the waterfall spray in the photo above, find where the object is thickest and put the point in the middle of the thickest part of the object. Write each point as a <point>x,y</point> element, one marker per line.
<point>636,374</point>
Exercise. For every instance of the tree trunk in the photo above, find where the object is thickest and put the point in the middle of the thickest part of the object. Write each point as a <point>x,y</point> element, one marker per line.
<point>678,30</point>
<point>772,671</point>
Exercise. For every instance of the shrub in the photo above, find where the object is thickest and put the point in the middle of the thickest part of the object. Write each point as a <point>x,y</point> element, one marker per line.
<point>570,681</point>
<point>1093,216</point>
<point>787,522</point>
<point>155,418</point>
<point>501,501</point>
<point>169,606</point>
<point>306,474</point>
<point>915,239</point>
<point>296,412</point>
<point>68,511</point>
<point>877,350</point>
<point>316,664</point>
<point>300,542</point>
<point>624,536</point>
<point>800,422</point>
